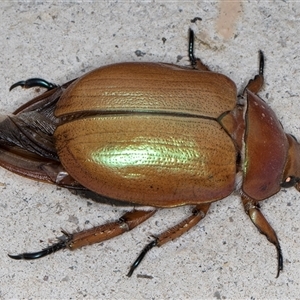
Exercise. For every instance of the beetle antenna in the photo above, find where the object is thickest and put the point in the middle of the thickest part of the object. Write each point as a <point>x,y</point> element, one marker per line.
<point>141,256</point>
<point>62,244</point>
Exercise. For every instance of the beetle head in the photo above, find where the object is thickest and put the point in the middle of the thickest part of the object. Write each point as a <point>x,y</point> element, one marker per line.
<point>291,175</point>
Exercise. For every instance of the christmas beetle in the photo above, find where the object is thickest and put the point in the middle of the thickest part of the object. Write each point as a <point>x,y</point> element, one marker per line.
<point>152,134</point>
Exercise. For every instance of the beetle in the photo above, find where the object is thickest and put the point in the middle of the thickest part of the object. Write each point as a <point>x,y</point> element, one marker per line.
<point>152,134</point>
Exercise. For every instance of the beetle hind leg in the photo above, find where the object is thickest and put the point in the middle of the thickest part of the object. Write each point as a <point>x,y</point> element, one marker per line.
<point>34,82</point>
<point>62,244</point>
<point>263,226</point>
<point>199,212</point>
<point>90,236</point>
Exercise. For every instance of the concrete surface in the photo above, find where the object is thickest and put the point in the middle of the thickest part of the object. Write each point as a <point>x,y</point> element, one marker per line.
<point>224,256</point>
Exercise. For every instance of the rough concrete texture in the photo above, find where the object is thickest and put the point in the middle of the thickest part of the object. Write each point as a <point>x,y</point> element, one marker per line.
<point>224,256</point>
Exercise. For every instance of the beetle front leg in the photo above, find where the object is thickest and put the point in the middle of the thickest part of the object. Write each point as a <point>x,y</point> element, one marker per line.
<point>255,85</point>
<point>258,219</point>
<point>199,212</point>
<point>94,235</point>
<point>196,63</point>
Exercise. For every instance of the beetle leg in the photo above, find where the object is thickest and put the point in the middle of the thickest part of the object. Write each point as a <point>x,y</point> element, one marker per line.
<point>256,84</point>
<point>195,62</point>
<point>34,82</point>
<point>107,231</point>
<point>258,219</point>
<point>199,213</point>
<point>94,235</point>
<point>62,244</point>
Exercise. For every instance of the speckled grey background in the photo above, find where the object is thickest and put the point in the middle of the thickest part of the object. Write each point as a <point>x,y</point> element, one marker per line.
<point>224,256</point>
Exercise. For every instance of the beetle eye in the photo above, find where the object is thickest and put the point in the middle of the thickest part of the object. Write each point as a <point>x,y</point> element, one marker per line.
<point>289,181</point>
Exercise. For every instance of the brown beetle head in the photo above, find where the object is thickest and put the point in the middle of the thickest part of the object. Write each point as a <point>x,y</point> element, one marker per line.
<point>291,175</point>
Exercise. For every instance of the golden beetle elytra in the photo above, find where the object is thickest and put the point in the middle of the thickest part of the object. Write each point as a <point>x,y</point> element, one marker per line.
<point>152,134</point>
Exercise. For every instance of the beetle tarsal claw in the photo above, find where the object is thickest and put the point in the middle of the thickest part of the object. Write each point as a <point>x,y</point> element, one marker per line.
<point>280,260</point>
<point>62,244</point>
<point>34,82</point>
<point>141,256</point>
<point>19,83</point>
